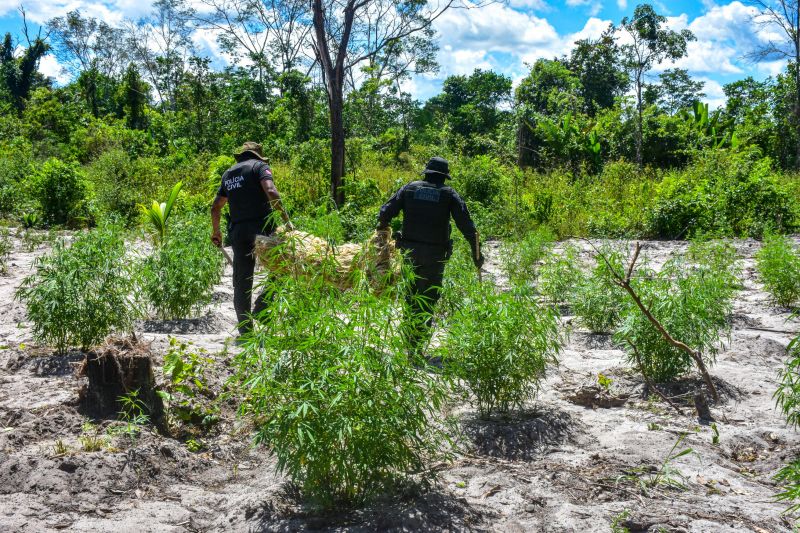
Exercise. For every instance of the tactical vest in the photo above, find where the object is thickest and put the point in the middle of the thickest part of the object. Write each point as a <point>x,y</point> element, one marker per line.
<point>247,200</point>
<point>426,213</point>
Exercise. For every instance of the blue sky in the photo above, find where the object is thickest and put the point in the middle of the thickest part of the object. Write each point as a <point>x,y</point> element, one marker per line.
<point>506,36</point>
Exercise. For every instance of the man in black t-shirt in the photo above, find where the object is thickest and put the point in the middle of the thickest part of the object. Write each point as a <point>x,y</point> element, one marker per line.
<point>427,206</point>
<point>248,189</point>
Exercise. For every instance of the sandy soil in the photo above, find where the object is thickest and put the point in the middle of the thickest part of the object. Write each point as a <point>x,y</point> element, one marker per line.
<point>555,468</point>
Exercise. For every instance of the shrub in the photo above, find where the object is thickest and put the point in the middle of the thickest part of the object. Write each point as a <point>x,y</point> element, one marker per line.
<point>787,398</point>
<point>778,263</point>
<point>560,275</point>
<point>61,191</point>
<point>598,303</point>
<point>734,195</point>
<point>499,345</point>
<point>480,179</point>
<point>119,183</point>
<point>521,259</point>
<point>334,395</point>
<point>15,169</point>
<point>79,294</point>
<point>178,278</point>
<point>692,300</point>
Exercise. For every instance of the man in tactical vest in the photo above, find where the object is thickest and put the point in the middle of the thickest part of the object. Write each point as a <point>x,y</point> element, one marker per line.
<point>427,206</point>
<point>248,189</point>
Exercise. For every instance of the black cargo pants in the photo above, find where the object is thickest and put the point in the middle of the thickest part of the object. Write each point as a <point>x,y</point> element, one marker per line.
<point>242,237</point>
<point>428,263</point>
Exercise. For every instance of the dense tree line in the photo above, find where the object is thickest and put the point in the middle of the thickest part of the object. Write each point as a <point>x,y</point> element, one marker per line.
<point>321,85</point>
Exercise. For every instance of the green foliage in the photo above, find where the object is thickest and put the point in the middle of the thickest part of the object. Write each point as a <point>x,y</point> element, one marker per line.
<point>787,396</point>
<point>720,193</point>
<point>81,293</point>
<point>187,395</point>
<point>333,394</point>
<point>789,478</point>
<point>560,276</point>
<point>119,181</point>
<point>61,192</point>
<point>6,246</point>
<point>665,475</point>
<point>598,302</point>
<point>177,280</point>
<point>500,345</point>
<point>692,297</point>
<point>521,258</point>
<point>778,263</point>
<point>480,179</point>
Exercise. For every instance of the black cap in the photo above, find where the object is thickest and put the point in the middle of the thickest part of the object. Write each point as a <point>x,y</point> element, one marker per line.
<point>437,165</point>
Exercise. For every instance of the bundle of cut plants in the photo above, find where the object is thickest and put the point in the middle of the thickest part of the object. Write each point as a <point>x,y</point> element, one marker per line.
<point>299,253</point>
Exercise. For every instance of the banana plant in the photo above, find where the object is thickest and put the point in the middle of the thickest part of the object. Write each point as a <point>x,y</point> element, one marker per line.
<point>719,132</point>
<point>158,213</point>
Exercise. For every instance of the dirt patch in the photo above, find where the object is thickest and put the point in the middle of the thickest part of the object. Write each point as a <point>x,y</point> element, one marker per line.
<point>521,436</point>
<point>208,324</point>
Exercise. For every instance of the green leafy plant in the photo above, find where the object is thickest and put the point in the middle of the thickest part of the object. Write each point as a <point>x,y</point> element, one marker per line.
<point>177,280</point>
<point>778,263</point>
<point>598,302</point>
<point>91,439</point>
<point>499,345</point>
<point>62,193</point>
<point>714,434</point>
<point>187,395</point>
<point>692,301</point>
<point>618,520</point>
<point>333,394</point>
<point>158,214</point>
<point>560,275</point>
<point>605,382</point>
<point>79,294</point>
<point>521,259</point>
<point>665,475</point>
<point>60,449</point>
<point>30,220</point>
<point>6,246</point>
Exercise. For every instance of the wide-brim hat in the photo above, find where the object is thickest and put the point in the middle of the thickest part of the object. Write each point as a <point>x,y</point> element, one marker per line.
<point>437,166</point>
<point>251,148</point>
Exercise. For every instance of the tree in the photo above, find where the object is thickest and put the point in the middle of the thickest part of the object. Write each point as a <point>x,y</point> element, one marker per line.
<point>19,75</point>
<point>135,95</point>
<point>597,64</point>
<point>92,52</point>
<point>350,32</point>
<point>650,44</point>
<point>675,92</point>
<point>782,18</point>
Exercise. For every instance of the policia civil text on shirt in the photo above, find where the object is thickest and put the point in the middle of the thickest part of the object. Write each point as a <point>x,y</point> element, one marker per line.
<point>427,206</point>
<point>247,187</point>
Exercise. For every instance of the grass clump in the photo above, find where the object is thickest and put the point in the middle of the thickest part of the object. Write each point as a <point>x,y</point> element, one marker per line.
<point>692,297</point>
<point>778,263</point>
<point>500,345</point>
<point>178,278</point>
<point>333,393</point>
<point>81,293</point>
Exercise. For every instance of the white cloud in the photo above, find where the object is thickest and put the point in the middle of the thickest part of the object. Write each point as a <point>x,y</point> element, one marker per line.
<point>715,96</point>
<point>594,6</point>
<point>622,4</point>
<point>539,5</point>
<point>111,12</point>
<point>50,67</point>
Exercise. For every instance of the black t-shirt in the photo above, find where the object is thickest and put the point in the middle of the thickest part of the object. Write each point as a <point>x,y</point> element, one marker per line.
<point>241,184</point>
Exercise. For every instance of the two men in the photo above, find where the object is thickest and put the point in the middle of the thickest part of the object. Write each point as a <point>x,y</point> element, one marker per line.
<point>248,189</point>
<point>427,206</point>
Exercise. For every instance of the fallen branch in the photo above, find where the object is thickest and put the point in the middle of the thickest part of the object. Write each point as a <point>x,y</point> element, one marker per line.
<point>625,283</point>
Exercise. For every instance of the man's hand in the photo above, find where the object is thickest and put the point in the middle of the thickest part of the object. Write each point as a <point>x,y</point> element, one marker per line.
<point>216,238</point>
<point>383,235</point>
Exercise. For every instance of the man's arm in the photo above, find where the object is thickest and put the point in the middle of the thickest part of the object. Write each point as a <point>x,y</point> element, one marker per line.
<point>275,200</point>
<point>216,212</point>
<point>464,223</point>
<point>391,209</point>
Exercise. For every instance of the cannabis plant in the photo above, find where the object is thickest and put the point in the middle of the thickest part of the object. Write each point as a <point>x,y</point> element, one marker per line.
<point>691,297</point>
<point>521,259</point>
<point>598,302</point>
<point>778,263</point>
<point>177,280</point>
<point>560,276</point>
<point>80,293</point>
<point>333,394</point>
<point>499,345</point>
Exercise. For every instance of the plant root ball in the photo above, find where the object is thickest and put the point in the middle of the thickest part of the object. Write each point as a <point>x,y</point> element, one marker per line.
<point>117,368</point>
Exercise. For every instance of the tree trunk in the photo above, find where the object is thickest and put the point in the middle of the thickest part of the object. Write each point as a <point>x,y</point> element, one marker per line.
<point>639,128</point>
<point>336,100</point>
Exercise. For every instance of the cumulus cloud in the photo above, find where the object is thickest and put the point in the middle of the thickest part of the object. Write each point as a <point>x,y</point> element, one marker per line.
<point>593,6</point>
<point>110,11</point>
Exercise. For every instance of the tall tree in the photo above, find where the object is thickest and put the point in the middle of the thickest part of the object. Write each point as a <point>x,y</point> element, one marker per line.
<point>348,33</point>
<point>135,95</point>
<point>782,18</point>
<point>92,52</point>
<point>597,64</point>
<point>649,43</point>
<point>19,72</point>
<point>675,91</point>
